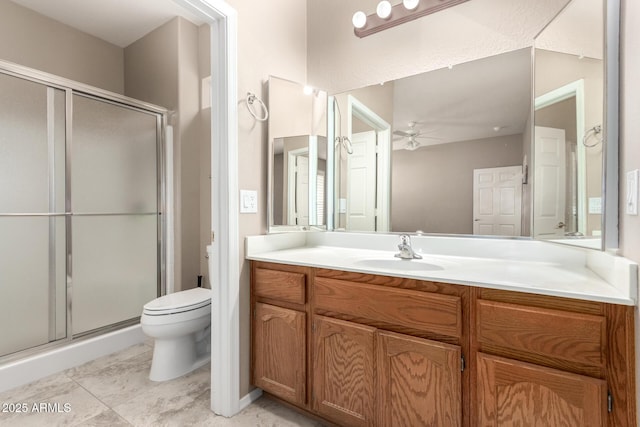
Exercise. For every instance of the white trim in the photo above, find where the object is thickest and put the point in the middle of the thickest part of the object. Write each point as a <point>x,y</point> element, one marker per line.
<point>355,108</point>
<point>611,186</point>
<point>292,188</point>
<point>313,179</point>
<point>169,212</point>
<point>331,148</point>
<point>250,397</point>
<point>384,175</point>
<point>567,91</point>
<point>224,251</point>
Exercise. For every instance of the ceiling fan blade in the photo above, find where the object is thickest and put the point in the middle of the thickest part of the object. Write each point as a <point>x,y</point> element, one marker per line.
<point>403,133</point>
<point>427,137</point>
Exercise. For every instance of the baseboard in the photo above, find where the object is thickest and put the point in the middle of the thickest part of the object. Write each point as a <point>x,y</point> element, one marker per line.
<point>249,398</point>
<point>32,368</point>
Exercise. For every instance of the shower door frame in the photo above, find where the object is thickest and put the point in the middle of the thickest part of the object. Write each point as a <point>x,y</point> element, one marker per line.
<point>72,88</point>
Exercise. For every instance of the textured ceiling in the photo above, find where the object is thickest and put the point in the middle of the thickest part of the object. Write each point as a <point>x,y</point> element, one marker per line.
<point>467,101</point>
<point>120,22</point>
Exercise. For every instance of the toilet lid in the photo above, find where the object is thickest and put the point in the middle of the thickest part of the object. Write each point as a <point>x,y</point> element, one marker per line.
<point>184,300</point>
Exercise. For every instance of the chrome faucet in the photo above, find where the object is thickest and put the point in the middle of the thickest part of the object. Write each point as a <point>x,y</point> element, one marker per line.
<point>406,251</point>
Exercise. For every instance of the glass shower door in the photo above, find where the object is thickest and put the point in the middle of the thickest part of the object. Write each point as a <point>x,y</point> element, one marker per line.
<point>32,214</point>
<point>115,222</point>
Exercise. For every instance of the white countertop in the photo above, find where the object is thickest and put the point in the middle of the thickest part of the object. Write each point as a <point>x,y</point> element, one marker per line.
<point>514,265</point>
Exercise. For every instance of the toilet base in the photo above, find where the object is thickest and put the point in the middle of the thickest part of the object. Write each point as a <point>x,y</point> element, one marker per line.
<point>173,358</point>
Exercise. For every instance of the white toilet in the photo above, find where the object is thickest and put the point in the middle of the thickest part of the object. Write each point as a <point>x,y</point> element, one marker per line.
<point>180,324</point>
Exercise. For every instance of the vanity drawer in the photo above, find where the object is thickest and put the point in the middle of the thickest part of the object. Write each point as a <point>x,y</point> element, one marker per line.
<point>429,312</point>
<point>573,337</point>
<point>281,285</point>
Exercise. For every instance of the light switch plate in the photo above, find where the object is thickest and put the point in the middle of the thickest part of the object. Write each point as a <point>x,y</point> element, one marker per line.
<point>248,201</point>
<point>631,197</point>
<point>342,206</point>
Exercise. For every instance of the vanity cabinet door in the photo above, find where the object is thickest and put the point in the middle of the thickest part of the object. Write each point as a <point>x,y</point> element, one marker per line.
<point>512,393</point>
<point>279,351</point>
<point>419,382</point>
<point>343,377</point>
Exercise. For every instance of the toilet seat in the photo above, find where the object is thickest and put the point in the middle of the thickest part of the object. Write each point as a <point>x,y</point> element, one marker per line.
<point>178,302</point>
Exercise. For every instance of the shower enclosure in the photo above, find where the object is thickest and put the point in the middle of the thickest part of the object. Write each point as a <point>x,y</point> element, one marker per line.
<point>81,187</point>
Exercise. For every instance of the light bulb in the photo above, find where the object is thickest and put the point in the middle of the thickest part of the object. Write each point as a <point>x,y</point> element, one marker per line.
<point>410,4</point>
<point>384,9</point>
<point>307,90</point>
<point>359,19</point>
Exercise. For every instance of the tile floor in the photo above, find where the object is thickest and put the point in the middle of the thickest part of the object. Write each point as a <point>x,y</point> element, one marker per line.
<point>115,391</point>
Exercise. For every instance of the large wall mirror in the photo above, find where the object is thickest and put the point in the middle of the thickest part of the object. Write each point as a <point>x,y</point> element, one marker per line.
<point>569,120</point>
<point>462,150</point>
<point>454,161</point>
<point>297,156</point>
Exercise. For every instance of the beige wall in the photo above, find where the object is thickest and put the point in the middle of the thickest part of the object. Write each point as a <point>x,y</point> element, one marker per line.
<point>272,40</point>
<point>163,68</point>
<point>290,110</point>
<point>33,40</point>
<point>339,61</point>
<point>630,140</point>
<point>151,67</point>
<point>630,123</point>
<point>424,180</point>
<point>204,45</point>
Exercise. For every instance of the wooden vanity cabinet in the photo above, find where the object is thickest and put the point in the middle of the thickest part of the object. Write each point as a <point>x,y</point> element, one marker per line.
<point>279,331</point>
<point>551,361</point>
<point>377,355</point>
<point>514,393</point>
<point>364,376</point>
<point>368,350</point>
<point>419,382</point>
<point>343,371</point>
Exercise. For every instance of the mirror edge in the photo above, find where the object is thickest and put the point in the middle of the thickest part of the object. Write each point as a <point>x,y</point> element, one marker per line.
<point>610,163</point>
<point>610,241</point>
<point>272,228</point>
<point>269,167</point>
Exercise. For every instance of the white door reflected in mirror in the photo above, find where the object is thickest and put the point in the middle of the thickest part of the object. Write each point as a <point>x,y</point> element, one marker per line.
<point>549,197</point>
<point>497,201</point>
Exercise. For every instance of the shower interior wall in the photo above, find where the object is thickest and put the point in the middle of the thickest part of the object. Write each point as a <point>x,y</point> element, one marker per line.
<point>165,67</point>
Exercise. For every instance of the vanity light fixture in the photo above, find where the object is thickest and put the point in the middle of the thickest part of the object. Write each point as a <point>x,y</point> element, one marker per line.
<point>384,9</point>
<point>307,90</point>
<point>359,19</point>
<point>388,16</point>
<point>410,4</point>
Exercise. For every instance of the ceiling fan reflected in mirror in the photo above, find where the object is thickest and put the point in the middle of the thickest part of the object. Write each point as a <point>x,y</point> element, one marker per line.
<point>412,136</point>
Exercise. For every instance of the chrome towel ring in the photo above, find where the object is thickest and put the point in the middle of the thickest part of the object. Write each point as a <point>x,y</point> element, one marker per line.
<point>594,133</point>
<point>251,98</point>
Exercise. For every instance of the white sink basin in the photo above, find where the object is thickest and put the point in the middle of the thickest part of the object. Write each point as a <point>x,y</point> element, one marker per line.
<point>399,264</point>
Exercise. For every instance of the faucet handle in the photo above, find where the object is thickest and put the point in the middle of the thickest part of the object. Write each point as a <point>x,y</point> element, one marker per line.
<point>405,239</point>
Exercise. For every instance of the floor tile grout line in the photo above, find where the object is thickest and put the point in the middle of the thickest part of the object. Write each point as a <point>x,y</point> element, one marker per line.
<point>101,401</point>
